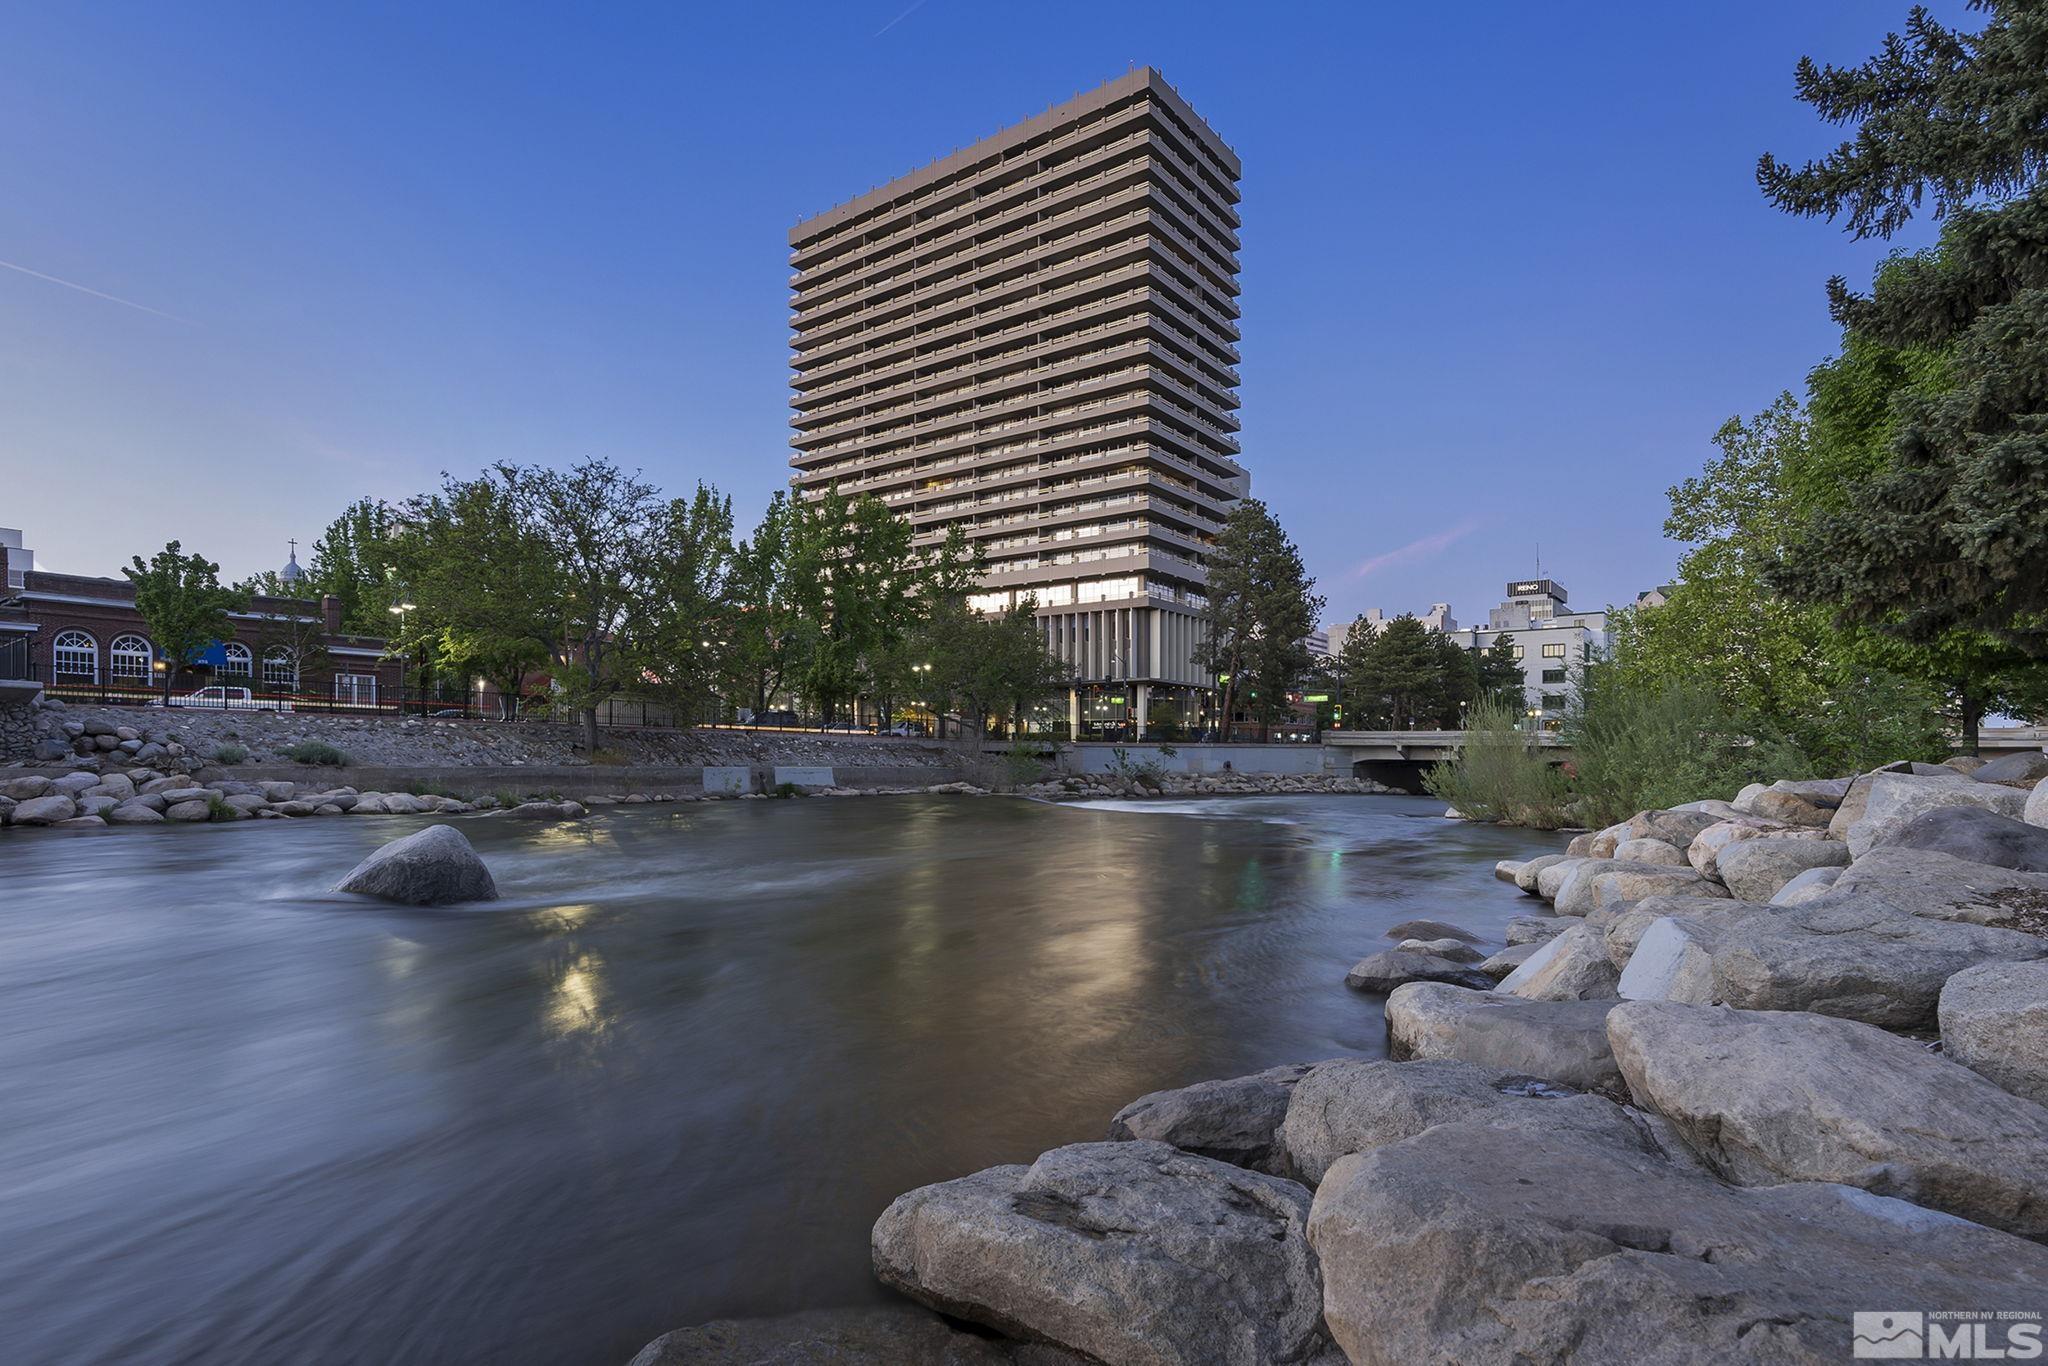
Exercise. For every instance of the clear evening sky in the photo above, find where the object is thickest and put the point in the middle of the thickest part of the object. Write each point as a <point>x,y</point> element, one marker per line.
<point>1505,265</point>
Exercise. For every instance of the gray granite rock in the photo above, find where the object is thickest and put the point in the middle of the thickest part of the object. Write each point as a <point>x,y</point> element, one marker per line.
<point>1559,1041</point>
<point>1754,870</point>
<point>1389,968</point>
<point>1994,1021</point>
<point>432,867</point>
<point>1235,1120</point>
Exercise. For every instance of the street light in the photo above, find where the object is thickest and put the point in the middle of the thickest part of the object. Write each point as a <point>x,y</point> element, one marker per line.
<point>399,609</point>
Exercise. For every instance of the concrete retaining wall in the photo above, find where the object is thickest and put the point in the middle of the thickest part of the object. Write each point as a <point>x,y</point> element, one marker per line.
<point>579,781</point>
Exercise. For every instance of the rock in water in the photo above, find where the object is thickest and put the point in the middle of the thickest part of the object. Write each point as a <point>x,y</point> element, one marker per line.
<point>1772,1096</point>
<point>433,867</point>
<point>1473,1243</point>
<point>1560,1041</point>
<point>1129,1252</point>
<point>1233,1121</point>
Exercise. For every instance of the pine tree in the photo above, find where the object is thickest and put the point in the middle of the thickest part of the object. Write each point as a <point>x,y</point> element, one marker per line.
<point>1262,605</point>
<point>1950,532</point>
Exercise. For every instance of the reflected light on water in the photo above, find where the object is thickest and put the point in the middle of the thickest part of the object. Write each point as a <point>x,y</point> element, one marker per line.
<point>575,1002</point>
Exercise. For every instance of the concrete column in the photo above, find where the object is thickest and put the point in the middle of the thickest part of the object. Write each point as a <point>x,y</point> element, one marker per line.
<point>1144,696</point>
<point>1073,713</point>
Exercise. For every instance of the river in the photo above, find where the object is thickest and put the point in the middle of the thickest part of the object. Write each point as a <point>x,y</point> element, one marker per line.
<point>674,1075</point>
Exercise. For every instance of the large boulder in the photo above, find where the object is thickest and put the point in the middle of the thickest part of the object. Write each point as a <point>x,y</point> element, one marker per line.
<point>2022,770</point>
<point>1389,968</point>
<point>1754,870</point>
<point>1534,929</point>
<point>1648,850</point>
<point>1605,842</point>
<point>1994,1021</point>
<point>432,867</point>
<point>1854,802</point>
<point>2036,812</point>
<point>1927,882</point>
<point>75,784</point>
<point>1531,870</point>
<point>43,810</point>
<point>26,788</point>
<point>1604,882</point>
<point>1571,967</point>
<point>872,1335</point>
<point>119,786</point>
<point>1507,960</point>
<point>1676,828</point>
<point>1129,1252</point>
<point>1550,880</point>
<point>1792,808</point>
<point>542,811</point>
<point>1844,955</point>
<point>1233,1120</point>
<point>1560,1041</point>
<point>1474,1243</point>
<point>1430,929</point>
<point>1896,798</point>
<point>1356,1104</point>
<point>1806,886</point>
<point>1974,835</point>
<point>1704,853</point>
<point>1770,1096</point>
<point>136,812</point>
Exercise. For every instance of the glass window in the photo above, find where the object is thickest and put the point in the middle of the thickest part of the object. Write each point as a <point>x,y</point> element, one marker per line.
<point>280,670</point>
<point>1554,650</point>
<point>76,655</point>
<point>128,659</point>
<point>1518,651</point>
<point>1554,701</point>
<point>236,660</point>
<point>1553,675</point>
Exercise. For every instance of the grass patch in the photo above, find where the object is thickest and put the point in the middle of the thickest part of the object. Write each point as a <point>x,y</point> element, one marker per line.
<point>217,809</point>
<point>317,752</point>
<point>230,754</point>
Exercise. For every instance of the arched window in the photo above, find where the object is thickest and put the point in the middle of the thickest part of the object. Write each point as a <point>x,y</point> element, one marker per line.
<point>75,656</point>
<point>128,659</point>
<point>280,669</point>
<point>236,660</point>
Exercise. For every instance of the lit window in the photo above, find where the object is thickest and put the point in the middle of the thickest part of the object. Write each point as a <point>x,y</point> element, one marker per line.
<point>236,660</point>
<point>76,655</point>
<point>280,670</point>
<point>128,659</point>
<point>1554,650</point>
<point>1518,651</point>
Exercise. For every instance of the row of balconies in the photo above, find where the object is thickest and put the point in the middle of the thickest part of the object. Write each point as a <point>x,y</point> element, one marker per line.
<point>1148,182</point>
<point>1134,378</point>
<point>946,341</point>
<point>824,252</point>
<point>987,390</point>
<point>1041,475</point>
<point>815,402</point>
<point>979,458</point>
<point>990,276</point>
<point>1021,290</point>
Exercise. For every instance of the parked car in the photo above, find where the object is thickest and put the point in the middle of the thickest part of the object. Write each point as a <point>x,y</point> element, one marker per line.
<point>778,718</point>
<point>219,698</point>
<point>910,730</point>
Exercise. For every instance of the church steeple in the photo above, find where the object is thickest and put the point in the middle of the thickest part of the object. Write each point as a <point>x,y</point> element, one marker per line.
<point>291,573</point>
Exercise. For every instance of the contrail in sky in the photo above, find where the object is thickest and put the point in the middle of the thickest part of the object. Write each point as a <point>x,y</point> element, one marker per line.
<point>110,298</point>
<point>1417,549</point>
<point>916,5</point>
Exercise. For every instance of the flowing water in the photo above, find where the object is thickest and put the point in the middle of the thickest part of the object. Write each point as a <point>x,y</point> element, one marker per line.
<point>674,1074</point>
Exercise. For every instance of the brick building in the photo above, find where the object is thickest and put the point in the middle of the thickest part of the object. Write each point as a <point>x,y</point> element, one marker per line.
<point>82,636</point>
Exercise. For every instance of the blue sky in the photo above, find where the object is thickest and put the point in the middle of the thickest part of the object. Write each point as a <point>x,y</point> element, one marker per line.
<point>1505,266</point>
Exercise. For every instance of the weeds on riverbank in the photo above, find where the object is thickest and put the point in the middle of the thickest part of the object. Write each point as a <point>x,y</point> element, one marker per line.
<point>1500,775</point>
<point>316,752</point>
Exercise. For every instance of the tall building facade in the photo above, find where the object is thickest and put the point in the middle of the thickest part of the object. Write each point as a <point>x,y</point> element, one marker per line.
<point>1035,339</point>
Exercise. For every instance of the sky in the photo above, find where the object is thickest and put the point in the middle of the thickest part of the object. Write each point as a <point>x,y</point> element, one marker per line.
<point>1506,268</point>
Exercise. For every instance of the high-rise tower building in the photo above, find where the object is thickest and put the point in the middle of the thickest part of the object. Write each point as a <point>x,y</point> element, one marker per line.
<point>1035,339</point>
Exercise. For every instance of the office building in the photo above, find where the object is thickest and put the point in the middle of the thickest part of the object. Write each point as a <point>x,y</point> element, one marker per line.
<point>1035,339</point>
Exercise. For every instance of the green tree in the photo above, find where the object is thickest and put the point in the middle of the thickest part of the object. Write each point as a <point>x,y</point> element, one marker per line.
<point>1262,605</point>
<point>679,628</point>
<point>1499,680</point>
<point>482,580</point>
<point>985,667</point>
<point>185,605</point>
<point>598,523</point>
<point>1393,677</point>
<point>353,561</point>
<point>1950,532</point>
<point>769,633</point>
<point>852,574</point>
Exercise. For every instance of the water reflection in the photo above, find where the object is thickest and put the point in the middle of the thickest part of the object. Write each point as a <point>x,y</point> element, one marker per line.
<point>674,1074</point>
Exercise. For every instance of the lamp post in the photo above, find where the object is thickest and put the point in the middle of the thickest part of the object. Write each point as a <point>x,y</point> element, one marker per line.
<point>400,609</point>
<point>923,676</point>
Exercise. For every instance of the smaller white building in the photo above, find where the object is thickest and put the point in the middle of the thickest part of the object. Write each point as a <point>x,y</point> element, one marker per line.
<point>1552,641</point>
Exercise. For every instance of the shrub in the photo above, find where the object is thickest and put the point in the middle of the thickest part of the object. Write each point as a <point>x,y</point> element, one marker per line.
<point>315,752</point>
<point>229,754</point>
<point>1500,775</point>
<point>217,808</point>
<point>1641,750</point>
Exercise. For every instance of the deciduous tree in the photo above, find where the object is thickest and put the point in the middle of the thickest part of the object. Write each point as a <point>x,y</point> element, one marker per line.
<point>185,605</point>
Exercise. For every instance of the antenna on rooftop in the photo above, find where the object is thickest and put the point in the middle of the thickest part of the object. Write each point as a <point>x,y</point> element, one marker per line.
<point>1539,559</point>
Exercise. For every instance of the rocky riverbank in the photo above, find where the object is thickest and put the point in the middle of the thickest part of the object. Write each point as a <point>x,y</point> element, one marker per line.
<point>1766,1063</point>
